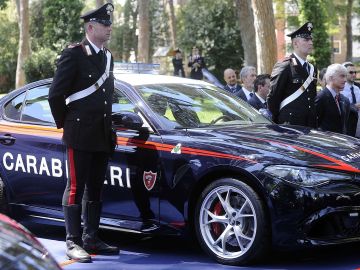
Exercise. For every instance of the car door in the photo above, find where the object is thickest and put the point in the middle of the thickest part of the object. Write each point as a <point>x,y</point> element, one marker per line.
<point>131,190</point>
<point>31,152</point>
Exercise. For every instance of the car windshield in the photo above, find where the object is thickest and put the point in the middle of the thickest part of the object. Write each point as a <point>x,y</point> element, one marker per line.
<point>197,105</point>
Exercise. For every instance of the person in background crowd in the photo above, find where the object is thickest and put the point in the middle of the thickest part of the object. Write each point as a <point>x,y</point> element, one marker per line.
<point>231,84</point>
<point>80,98</point>
<point>196,63</point>
<point>248,76</point>
<point>333,108</point>
<point>322,78</point>
<point>178,64</point>
<point>352,92</point>
<point>261,89</point>
<point>293,83</point>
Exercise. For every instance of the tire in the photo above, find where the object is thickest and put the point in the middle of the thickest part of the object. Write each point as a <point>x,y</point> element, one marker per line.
<point>230,223</point>
<point>3,201</point>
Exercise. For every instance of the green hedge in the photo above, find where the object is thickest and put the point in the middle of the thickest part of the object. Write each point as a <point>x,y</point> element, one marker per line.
<point>40,65</point>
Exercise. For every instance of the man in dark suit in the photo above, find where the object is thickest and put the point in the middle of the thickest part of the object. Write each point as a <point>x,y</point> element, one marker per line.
<point>352,92</point>
<point>247,77</point>
<point>333,108</point>
<point>231,84</point>
<point>80,98</point>
<point>178,64</point>
<point>196,63</point>
<point>293,83</point>
<point>261,89</point>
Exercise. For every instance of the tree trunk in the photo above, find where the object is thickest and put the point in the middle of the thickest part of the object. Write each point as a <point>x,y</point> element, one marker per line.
<point>172,23</point>
<point>144,32</point>
<point>349,36</point>
<point>247,30</point>
<point>99,3</point>
<point>280,25</point>
<point>24,41</point>
<point>265,35</point>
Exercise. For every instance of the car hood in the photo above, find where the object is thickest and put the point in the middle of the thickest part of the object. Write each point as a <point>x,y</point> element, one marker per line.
<point>276,144</point>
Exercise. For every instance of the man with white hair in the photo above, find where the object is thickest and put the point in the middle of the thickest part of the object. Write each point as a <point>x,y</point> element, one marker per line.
<point>333,108</point>
<point>248,76</point>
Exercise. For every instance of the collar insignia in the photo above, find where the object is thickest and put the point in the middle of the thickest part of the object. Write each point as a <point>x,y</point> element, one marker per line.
<point>88,51</point>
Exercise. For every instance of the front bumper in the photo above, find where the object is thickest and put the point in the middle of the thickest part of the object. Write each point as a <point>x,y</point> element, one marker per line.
<point>323,215</point>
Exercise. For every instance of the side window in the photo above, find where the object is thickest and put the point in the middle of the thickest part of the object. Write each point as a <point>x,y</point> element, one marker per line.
<point>36,107</point>
<point>121,103</point>
<point>12,109</point>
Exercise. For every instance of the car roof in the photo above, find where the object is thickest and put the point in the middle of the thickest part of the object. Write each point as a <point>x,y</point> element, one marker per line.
<point>147,79</point>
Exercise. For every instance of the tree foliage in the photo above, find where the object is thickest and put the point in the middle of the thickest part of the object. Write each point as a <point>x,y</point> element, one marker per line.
<point>9,38</point>
<point>315,12</point>
<point>40,65</point>
<point>124,39</point>
<point>54,24</point>
<point>212,25</point>
<point>160,30</point>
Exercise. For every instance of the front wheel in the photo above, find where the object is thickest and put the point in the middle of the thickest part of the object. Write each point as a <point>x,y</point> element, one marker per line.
<point>230,222</point>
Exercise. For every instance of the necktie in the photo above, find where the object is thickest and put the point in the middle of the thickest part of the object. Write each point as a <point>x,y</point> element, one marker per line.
<point>337,98</point>
<point>251,94</point>
<point>101,56</point>
<point>306,67</point>
<point>353,94</point>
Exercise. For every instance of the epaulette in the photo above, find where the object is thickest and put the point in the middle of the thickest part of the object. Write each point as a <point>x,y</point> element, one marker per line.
<point>74,45</point>
<point>287,58</point>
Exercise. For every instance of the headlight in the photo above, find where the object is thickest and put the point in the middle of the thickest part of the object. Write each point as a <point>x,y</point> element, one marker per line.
<point>305,176</point>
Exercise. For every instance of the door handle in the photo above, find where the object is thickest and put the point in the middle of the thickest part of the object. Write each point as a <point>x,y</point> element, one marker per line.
<point>7,139</point>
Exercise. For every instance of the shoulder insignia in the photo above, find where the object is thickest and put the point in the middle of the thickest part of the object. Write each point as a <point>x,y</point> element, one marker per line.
<point>287,58</point>
<point>74,45</point>
<point>294,61</point>
<point>88,50</point>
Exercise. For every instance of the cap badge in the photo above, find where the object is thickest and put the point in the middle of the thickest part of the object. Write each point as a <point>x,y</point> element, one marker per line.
<point>109,9</point>
<point>309,26</point>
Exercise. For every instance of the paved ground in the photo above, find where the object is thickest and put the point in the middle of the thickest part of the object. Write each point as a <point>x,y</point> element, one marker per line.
<point>169,253</point>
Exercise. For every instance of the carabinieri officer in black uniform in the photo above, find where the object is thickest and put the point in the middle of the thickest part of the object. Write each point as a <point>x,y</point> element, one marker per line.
<point>293,83</point>
<point>80,98</point>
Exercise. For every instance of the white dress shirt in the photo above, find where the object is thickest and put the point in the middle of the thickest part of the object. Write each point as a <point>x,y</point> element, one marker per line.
<point>247,93</point>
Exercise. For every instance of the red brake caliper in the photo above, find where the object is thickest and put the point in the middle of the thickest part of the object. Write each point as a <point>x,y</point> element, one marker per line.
<point>216,227</point>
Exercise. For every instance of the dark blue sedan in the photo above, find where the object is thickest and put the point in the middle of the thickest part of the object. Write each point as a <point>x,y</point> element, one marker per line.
<point>195,160</point>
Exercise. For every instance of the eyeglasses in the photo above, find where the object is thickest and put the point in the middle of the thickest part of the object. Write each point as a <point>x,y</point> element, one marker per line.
<point>352,72</point>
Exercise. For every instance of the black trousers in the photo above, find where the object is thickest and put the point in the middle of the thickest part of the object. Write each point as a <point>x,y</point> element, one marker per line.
<point>86,176</point>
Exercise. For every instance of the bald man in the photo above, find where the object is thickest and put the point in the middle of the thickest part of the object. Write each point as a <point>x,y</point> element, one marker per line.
<point>231,84</point>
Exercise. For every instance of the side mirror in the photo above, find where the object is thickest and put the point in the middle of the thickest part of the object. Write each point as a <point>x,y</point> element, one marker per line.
<point>128,120</point>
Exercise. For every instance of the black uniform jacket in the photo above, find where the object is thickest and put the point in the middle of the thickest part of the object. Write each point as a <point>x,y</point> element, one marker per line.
<point>196,72</point>
<point>238,92</point>
<point>256,102</point>
<point>287,77</point>
<point>87,121</point>
<point>329,117</point>
<point>178,67</point>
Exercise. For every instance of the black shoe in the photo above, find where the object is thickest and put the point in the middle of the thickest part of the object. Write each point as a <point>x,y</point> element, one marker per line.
<point>77,253</point>
<point>91,242</point>
<point>99,247</point>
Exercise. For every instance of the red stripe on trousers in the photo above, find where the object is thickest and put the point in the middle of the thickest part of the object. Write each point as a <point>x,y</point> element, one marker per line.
<point>71,199</point>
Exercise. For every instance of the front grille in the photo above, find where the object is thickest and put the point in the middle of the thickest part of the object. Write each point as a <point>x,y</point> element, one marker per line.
<point>335,226</point>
